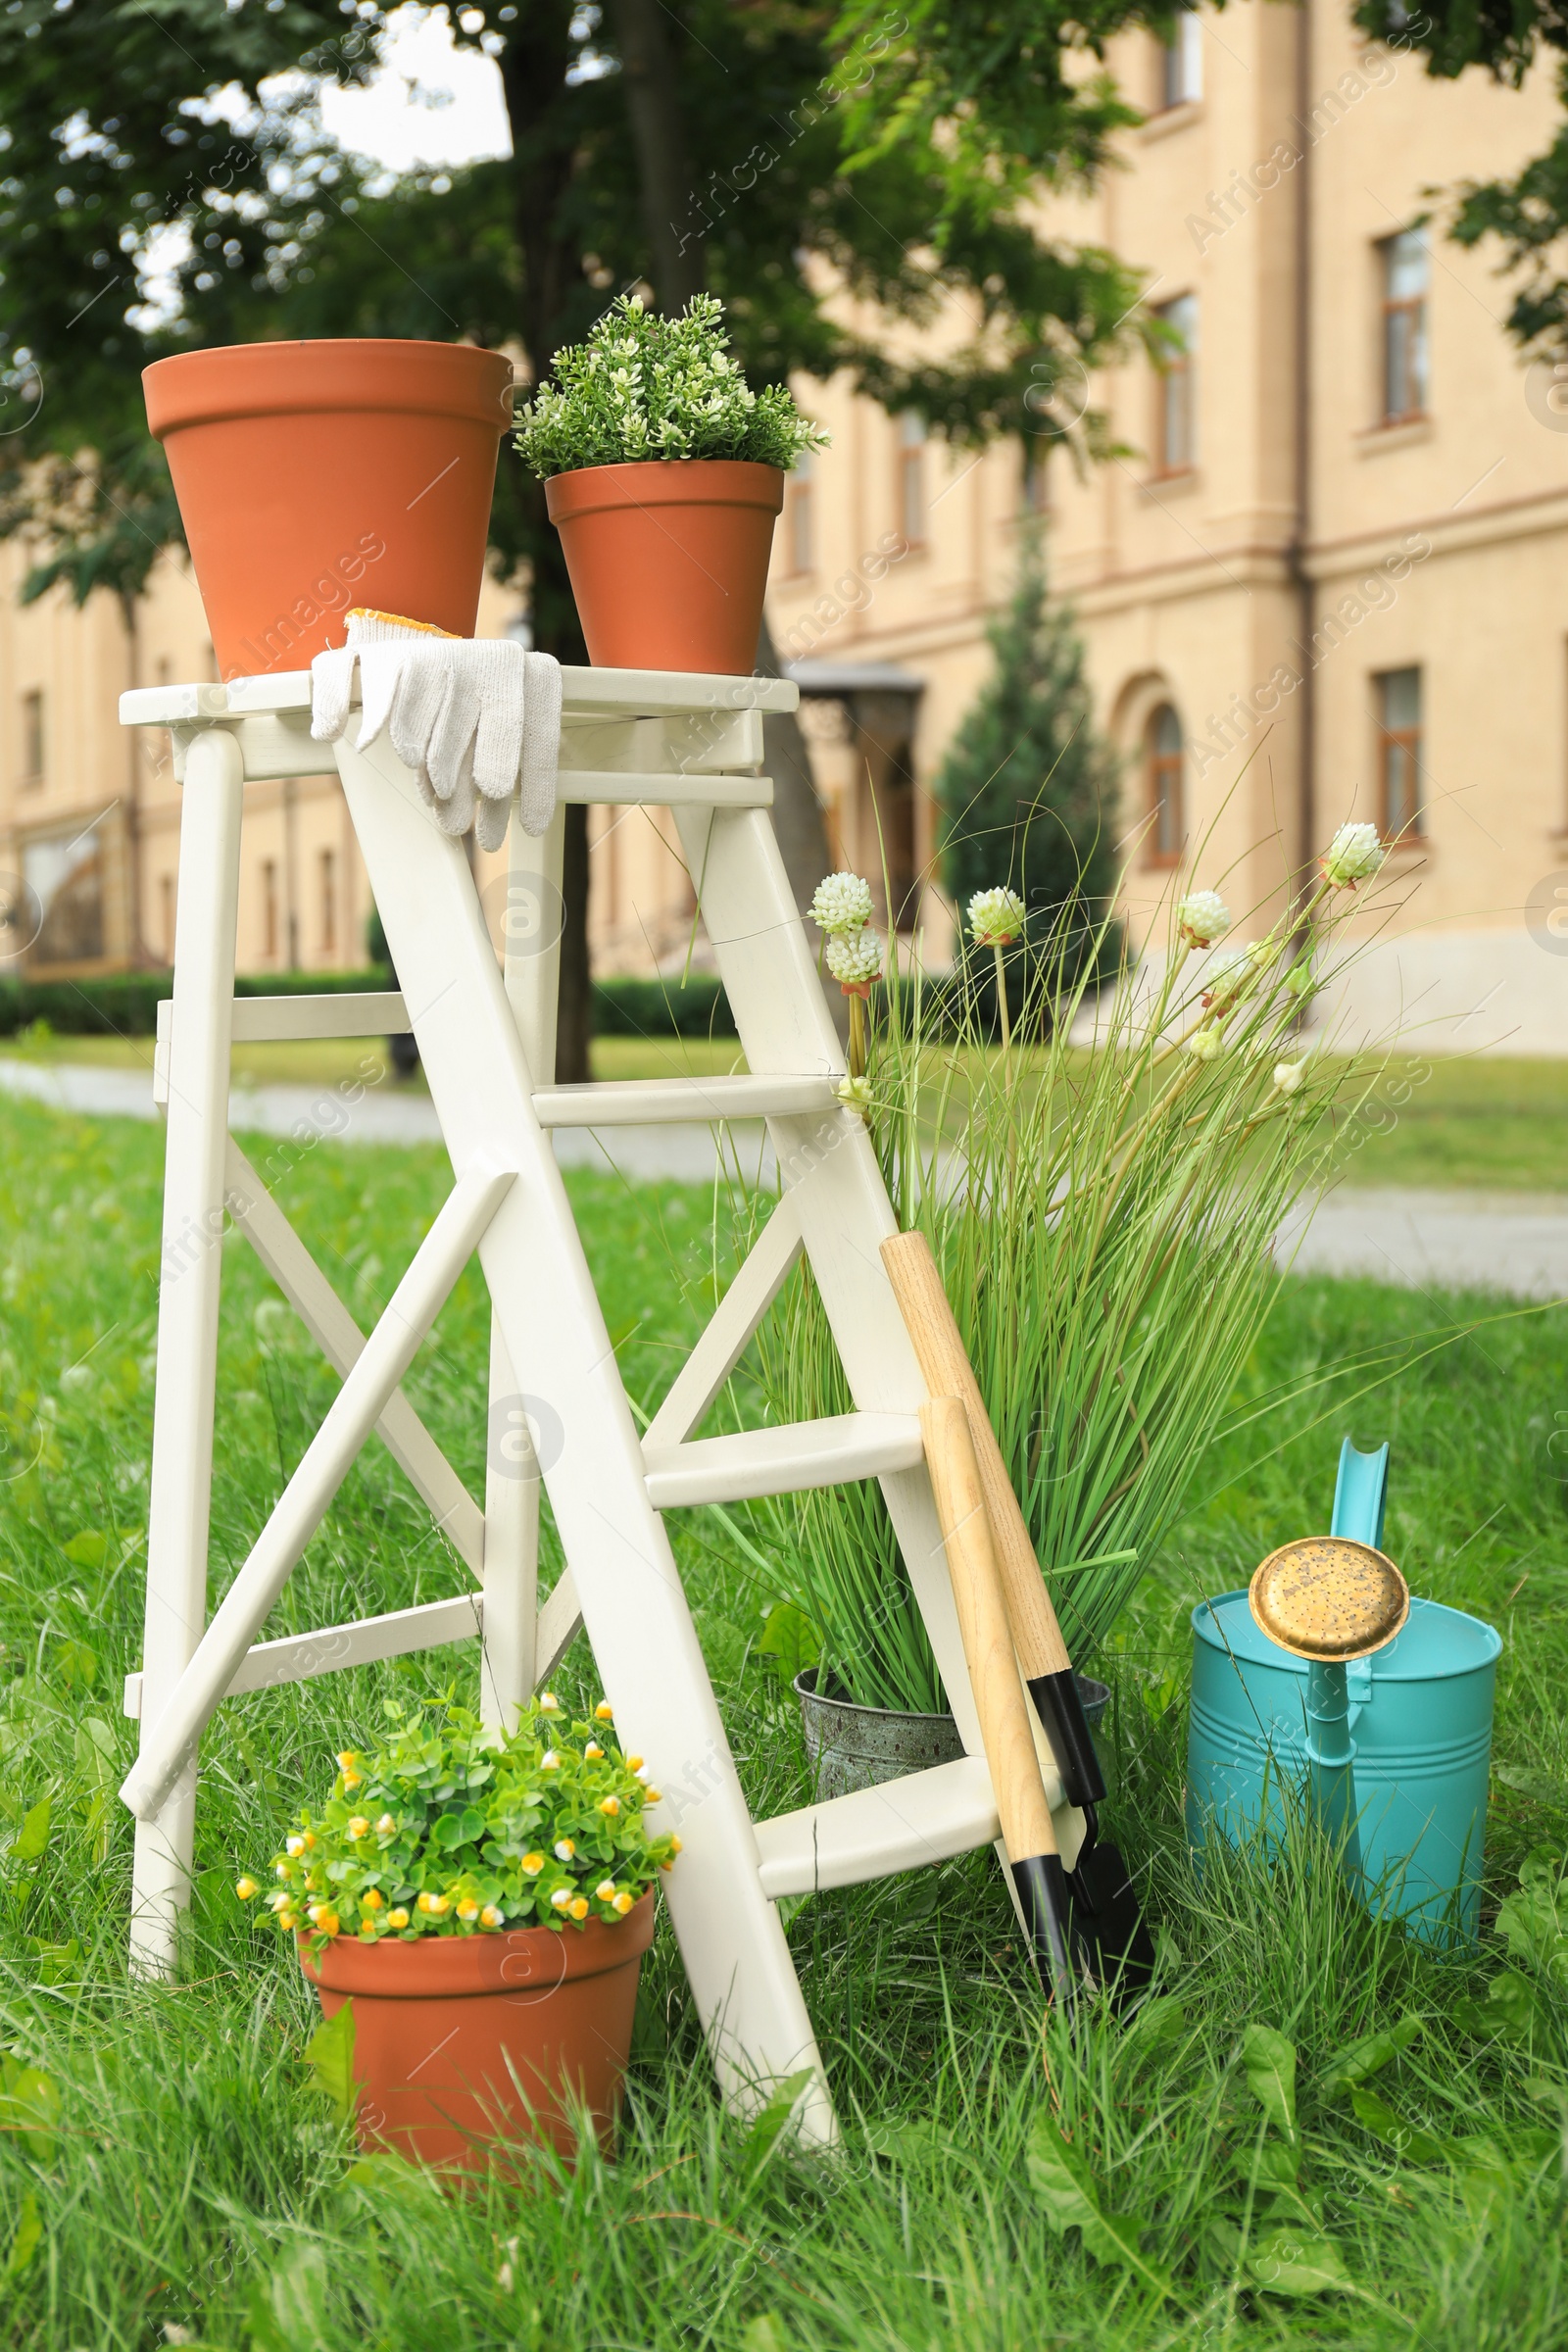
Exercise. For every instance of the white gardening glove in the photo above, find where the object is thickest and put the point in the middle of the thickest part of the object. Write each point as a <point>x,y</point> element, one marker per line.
<point>465,715</point>
<point>332,672</point>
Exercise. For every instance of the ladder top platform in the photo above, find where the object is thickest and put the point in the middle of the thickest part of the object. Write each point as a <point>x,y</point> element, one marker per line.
<point>588,694</point>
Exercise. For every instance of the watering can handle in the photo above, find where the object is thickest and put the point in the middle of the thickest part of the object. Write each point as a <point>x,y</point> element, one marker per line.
<point>1360,1495</point>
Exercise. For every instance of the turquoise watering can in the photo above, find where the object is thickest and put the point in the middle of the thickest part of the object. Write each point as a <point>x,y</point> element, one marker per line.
<point>1392,1749</point>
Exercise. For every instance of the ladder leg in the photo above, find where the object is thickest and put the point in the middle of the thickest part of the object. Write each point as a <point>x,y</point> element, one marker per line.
<point>530,943</point>
<point>645,1643</point>
<point>180,1500</point>
<point>510,1549</point>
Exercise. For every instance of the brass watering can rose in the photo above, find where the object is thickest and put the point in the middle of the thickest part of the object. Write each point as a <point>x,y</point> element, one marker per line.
<point>1328,1597</point>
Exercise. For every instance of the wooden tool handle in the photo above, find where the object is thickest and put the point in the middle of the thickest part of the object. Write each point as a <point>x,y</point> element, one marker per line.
<point>944,1362</point>
<point>988,1642</point>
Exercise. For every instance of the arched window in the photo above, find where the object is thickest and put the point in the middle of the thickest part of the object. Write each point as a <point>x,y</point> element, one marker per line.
<point>1162,761</point>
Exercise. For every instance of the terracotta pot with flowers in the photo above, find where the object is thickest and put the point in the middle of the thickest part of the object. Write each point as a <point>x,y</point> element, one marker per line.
<point>484,1904</point>
<point>663,472</point>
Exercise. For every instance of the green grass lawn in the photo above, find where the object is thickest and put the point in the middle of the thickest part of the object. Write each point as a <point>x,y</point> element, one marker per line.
<point>167,2173</point>
<point>327,1062</point>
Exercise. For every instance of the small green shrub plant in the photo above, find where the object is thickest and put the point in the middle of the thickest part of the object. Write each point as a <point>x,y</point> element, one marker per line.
<point>449,1831</point>
<point>647,388</point>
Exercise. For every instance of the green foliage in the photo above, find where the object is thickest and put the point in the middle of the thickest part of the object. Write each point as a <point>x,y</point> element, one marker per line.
<point>648,386</point>
<point>329,2055</point>
<point>447,1831</point>
<point>1065,2187</point>
<point>119,159</point>
<point>1027,788</point>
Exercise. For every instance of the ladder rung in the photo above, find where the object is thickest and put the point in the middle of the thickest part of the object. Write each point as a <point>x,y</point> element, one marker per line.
<point>925,1817</point>
<point>607,788</point>
<point>298,1656</point>
<point>781,1461</point>
<point>655,1102</point>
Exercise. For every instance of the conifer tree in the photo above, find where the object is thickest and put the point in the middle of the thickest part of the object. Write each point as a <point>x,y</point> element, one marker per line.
<point>1027,789</point>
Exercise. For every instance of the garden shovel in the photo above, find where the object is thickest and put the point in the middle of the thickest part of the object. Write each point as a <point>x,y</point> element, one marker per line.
<point>1108,1925</point>
<point>1027,1829</point>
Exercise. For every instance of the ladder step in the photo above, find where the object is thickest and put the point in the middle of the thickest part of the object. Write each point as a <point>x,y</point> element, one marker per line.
<point>781,1461</point>
<point>657,1102</point>
<point>899,1825</point>
<point>299,1657</point>
<point>607,788</point>
<point>925,1817</point>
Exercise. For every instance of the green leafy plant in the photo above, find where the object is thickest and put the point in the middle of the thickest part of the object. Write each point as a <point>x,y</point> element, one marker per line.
<point>449,1831</point>
<point>1104,1217</point>
<point>644,386</point>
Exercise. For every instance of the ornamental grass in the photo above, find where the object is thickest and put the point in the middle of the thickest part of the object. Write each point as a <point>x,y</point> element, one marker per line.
<point>1104,1217</point>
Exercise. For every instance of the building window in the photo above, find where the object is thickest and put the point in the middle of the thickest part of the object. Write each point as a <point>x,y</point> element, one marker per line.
<point>328,874</point>
<point>1036,480</point>
<point>270,908</point>
<point>1399,704</point>
<point>1162,761</point>
<point>1176,390</point>
<point>1406,271</point>
<point>166,915</point>
<point>33,737</point>
<point>800,552</point>
<point>1181,63</point>
<point>912,477</point>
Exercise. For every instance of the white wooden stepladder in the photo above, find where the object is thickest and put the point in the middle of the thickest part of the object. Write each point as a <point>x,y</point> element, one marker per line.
<point>488,1041</point>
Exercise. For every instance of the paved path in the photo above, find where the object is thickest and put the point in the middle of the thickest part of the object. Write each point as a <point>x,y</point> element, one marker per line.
<point>387,1114</point>
<point>1517,1242</point>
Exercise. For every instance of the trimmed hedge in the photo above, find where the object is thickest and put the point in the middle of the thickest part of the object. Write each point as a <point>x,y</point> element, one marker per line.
<point>661,1008</point>
<point>125,1004</point>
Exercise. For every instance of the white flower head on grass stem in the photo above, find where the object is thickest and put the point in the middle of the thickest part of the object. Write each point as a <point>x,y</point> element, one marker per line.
<point>1353,856</point>
<point>856,1093</point>
<point>1288,1075</point>
<point>1224,977</point>
<point>842,904</point>
<point>1202,917</point>
<point>854,957</point>
<point>1203,1043</point>
<point>996,917</point>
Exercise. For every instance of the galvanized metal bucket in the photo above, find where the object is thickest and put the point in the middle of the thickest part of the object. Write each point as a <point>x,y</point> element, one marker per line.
<point>1420,1717</point>
<point>851,1746</point>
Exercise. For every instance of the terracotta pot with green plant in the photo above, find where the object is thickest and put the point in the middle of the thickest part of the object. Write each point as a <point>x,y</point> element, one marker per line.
<point>664,473</point>
<point>484,1905</point>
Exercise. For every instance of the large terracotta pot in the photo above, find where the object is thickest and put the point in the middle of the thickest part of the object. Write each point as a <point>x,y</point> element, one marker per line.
<point>313,476</point>
<point>668,561</point>
<point>462,2039</point>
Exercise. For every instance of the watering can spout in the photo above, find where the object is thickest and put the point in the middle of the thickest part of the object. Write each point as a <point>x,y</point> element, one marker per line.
<point>1361,1494</point>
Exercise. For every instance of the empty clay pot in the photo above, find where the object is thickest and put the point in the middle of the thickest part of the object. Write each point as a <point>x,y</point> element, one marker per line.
<point>460,2040</point>
<point>668,561</point>
<point>313,476</point>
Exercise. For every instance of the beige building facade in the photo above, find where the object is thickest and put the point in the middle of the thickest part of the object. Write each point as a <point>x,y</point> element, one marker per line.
<point>1328,579</point>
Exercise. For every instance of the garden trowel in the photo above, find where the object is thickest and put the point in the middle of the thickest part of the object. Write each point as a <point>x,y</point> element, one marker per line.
<point>1112,1943</point>
<point>1027,1829</point>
